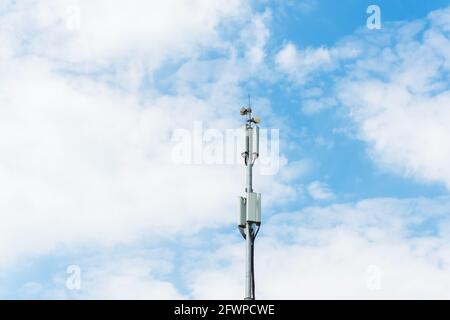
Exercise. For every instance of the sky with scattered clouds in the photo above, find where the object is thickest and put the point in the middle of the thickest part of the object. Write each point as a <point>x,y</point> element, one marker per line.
<point>355,193</point>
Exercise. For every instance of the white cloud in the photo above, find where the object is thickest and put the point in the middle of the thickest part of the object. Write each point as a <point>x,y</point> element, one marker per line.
<point>395,87</point>
<point>82,162</point>
<point>312,106</point>
<point>319,191</point>
<point>399,96</point>
<point>255,39</point>
<point>303,64</point>
<point>86,156</point>
<point>115,277</point>
<point>127,279</point>
<point>372,249</point>
<point>295,170</point>
<point>108,30</point>
<point>300,64</point>
<point>375,249</point>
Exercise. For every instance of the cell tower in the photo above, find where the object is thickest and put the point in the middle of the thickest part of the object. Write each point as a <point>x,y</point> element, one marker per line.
<point>250,205</point>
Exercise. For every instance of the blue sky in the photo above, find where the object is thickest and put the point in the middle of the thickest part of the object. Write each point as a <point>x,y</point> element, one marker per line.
<point>92,93</point>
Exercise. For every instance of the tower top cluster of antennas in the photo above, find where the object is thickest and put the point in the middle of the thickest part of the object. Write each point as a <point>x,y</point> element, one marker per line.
<point>247,111</point>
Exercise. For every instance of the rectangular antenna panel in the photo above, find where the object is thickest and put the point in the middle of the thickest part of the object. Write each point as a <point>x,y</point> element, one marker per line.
<point>254,207</point>
<point>244,140</point>
<point>256,140</point>
<point>242,212</point>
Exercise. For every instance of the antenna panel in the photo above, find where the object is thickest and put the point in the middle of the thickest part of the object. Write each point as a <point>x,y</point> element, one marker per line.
<point>254,207</point>
<point>242,215</point>
<point>256,140</point>
<point>244,140</point>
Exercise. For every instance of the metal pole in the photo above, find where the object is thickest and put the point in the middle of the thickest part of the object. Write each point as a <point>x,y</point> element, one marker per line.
<point>248,264</point>
<point>249,276</point>
<point>249,229</point>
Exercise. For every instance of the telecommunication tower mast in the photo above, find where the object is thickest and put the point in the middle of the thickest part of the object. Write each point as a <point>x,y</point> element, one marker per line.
<point>250,204</point>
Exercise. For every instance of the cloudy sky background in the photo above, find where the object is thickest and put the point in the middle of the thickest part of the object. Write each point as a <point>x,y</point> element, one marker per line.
<point>91,93</point>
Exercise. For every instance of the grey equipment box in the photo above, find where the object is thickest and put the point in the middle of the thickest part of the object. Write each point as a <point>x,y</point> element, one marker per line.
<point>250,209</point>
